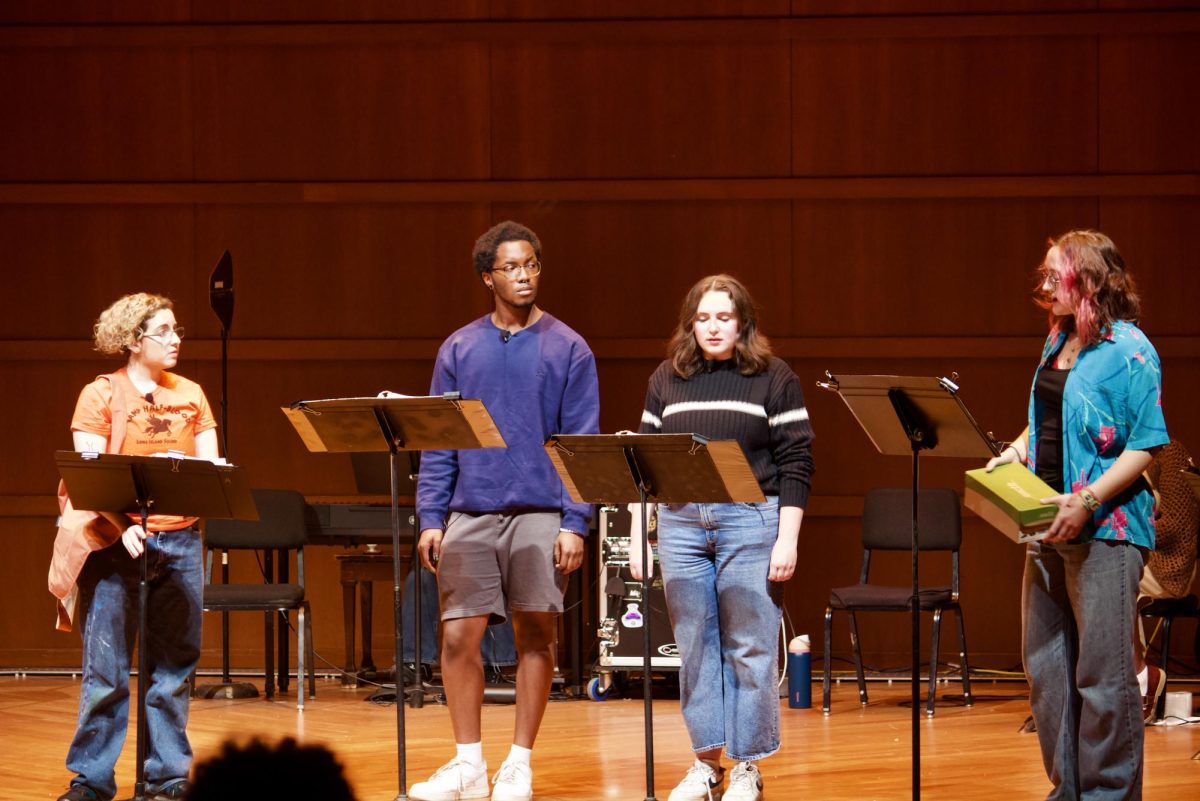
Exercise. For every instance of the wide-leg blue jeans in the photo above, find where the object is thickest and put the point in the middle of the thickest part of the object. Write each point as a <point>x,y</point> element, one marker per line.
<point>726,615</point>
<point>1078,601</point>
<point>108,601</point>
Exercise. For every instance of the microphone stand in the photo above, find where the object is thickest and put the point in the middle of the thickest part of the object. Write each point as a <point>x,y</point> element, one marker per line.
<point>220,295</point>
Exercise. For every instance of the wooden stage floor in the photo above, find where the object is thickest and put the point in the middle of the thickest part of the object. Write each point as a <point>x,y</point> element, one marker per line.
<point>591,750</point>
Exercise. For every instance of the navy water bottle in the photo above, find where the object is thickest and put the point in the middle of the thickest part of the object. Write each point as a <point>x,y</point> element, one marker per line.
<point>799,672</point>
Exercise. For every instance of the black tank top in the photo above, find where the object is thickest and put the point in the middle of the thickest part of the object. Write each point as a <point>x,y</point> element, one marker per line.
<point>1049,392</point>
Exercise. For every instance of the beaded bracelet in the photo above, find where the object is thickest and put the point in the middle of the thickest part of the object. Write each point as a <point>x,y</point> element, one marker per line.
<point>1090,501</point>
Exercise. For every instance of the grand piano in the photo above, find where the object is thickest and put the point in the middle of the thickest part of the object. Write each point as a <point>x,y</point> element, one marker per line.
<point>366,520</point>
<point>357,520</point>
<point>360,524</point>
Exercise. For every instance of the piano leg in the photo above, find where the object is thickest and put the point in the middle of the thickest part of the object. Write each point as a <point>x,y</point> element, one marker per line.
<point>350,671</point>
<point>368,594</point>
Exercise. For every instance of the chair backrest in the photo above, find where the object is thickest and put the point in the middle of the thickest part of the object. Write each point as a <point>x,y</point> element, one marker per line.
<point>887,520</point>
<point>280,524</point>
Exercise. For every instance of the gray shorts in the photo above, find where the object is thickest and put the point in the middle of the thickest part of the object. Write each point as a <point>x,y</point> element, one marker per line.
<point>492,563</point>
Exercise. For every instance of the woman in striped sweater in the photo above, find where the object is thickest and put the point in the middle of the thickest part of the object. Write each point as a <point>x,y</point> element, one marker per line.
<point>724,564</point>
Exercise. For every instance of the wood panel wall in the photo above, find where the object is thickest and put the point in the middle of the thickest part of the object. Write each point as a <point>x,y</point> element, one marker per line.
<point>884,175</point>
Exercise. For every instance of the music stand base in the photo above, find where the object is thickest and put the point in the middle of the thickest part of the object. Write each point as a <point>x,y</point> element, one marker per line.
<point>386,694</point>
<point>492,694</point>
<point>229,690</point>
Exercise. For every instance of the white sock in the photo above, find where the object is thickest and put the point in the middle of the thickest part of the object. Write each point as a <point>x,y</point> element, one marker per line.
<point>519,754</point>
<point>1144,679</point>
<point>472,754</point>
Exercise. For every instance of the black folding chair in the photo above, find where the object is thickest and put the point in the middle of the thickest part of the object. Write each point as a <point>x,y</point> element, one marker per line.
<point>887,526</point>
<point>281,528</point>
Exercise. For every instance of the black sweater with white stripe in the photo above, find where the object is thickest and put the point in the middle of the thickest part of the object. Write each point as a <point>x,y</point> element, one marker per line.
<point>765,413</point>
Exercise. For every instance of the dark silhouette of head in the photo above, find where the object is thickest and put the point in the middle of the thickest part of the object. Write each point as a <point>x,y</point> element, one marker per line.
<point>257,770</point>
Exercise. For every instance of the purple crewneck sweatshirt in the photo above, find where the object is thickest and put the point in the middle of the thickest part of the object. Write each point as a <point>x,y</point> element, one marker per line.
<point>535,383</point>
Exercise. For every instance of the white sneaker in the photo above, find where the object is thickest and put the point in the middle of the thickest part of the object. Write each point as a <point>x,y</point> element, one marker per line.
<point>513,782</point>
<point>745,783</point>
<point>454,781</point>
<point>700,783</point>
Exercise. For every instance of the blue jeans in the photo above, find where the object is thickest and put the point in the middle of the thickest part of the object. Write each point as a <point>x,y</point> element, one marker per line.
<point>108,625</point>
<point>1078,609</point>
<point>726,615</point>
<point>498,647</point>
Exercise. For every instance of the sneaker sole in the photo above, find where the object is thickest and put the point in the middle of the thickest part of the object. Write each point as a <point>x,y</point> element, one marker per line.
<point>445,795</point>
<point>716,796</point>
<point>506,796</point>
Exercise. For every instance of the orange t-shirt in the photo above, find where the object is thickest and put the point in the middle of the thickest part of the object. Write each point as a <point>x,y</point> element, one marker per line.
<point>170,422</point>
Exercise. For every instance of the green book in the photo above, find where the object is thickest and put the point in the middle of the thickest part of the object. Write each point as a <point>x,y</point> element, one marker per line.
<point>1009,499</point>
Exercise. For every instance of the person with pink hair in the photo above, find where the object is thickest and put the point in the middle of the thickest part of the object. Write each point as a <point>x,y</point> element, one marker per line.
<point>1095,419</point>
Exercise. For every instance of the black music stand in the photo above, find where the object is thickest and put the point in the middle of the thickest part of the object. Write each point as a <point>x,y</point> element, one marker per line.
<point>670,468</point>
<point>904,415</point>
<point>167,485</point>
<point>390,425</point>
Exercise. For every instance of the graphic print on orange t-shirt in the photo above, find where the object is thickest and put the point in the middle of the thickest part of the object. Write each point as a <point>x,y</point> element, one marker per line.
<point>158,427</point>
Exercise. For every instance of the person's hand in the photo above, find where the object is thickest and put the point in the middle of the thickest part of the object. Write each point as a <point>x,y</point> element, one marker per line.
<point>636,555</point>
<point>1007,456</point>
<point>783,561</point>
<point>1071,518</point>
<point>429,546</point>
<point>568,552</point>
<point>133,538</point>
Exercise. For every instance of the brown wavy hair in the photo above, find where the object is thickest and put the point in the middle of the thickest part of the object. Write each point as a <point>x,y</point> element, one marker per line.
<point>1098,285</point>
<point>751,352</point>
<point>122,323</point>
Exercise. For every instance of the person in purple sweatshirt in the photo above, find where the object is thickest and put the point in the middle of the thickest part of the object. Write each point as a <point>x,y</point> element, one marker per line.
<point>497,525</point>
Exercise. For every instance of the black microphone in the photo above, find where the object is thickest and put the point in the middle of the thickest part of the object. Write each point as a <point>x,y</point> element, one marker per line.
<point>505,336</point>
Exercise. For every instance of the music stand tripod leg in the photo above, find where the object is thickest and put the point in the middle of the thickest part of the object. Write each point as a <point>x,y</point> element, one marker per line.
<point>139,787</point>
<point>915,604</point>
<point>647,648</point>
<point>397,612</point>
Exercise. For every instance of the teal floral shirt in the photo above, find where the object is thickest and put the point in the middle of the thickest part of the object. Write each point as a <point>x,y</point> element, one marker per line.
<point>1112,401</point>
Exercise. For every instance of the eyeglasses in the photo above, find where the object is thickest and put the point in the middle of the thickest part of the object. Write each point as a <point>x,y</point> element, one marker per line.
<point>1049,277</point>
<point>510,269</point>
<point>161,335</point>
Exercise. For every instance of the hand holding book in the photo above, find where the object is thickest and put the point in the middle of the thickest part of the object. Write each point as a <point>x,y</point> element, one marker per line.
<point>1072,516</point>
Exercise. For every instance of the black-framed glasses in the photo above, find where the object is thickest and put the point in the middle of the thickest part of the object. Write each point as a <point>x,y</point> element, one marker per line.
<point>1049,277</point>
<point>163,334</point>
<point>511,268</point>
